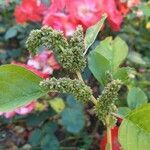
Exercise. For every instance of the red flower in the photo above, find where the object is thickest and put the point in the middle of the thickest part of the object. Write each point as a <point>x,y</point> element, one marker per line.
<point>29,10</point>
<point>60,21</point>
<point>114,16</point>
<point>66,15</point>
<point>124,7</point>
<point>88,12</point>
<point>115,143</point>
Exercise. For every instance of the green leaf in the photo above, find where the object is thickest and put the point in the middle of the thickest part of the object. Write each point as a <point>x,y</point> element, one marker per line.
<point>19,86</point>
<point>120,51</point>
<point>35,137</point>
<point>38,118</point>
<point>57,104</point>
<point>114,50</point>
<point>123,111</point>
<point>98,65</point>
<point>11,32</point>
<point>73,116</point>
<point>134,132</point>
<point>123,73</point>
<point>50,142</point>
<point>92,32</point>
<point>49,128</point>
<point>136,97</point>
<point>136,58</point>
<point>145,9</point>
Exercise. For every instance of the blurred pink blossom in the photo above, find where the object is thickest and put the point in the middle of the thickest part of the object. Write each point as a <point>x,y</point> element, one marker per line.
<point>21,111</point>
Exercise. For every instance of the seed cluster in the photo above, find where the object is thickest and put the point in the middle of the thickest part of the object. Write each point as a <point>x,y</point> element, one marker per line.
<point>69,52</point>
<point>106,101</point>
<point>65,85</point>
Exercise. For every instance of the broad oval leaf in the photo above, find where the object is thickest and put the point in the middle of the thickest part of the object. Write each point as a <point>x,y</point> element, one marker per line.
<point>11,32</point>
<point>19,86</point>
<point>73,116</point>
<point>114,50</point>
<point>92,32</point>
<point>136,97</point>
<point>134,132</point>
<point>99,65</point>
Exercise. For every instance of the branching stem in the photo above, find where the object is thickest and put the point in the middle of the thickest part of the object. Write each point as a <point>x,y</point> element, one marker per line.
<point>93,99</point>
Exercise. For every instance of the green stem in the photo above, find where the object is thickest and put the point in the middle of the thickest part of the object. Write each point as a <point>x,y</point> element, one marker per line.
<point>93,99</point>
<point>109,137</point>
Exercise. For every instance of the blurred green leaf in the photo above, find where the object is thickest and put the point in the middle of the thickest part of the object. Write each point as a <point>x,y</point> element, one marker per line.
<point>50,142</point>
<point>11,32</point>
<point>134,132</point>
<point>114,50</point>
<point>123,73</point>
<point>136,58</point>
<point>36,137</point>
<point>123,111</point>
<point>92,32</point>
<point>19,86</point>
<point>136,97</point>
<point>57,104</point>
<point>37,118</point>
<point>98,65</point>
<point>145,9</point>
<point>73,116</point>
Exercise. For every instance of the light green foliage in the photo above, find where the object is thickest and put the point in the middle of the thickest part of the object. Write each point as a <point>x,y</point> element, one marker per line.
<point>57,104</point>
<point>19,86</point>
<point>92,32</point>
<point>108,56</point>
<point>11,32</point>
<point>98,65</point>
<point>136,58</point>
<point>73,116</point>
<point>134,132</point>
<point>123,111</point>
<point>65,85</point>
<point>45,137</point>
<point>136,97</point>
<point>106,101</point>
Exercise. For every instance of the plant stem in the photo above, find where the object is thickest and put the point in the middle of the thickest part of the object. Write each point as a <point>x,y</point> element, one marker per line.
<point>93,99</point>
<point>109,137</point>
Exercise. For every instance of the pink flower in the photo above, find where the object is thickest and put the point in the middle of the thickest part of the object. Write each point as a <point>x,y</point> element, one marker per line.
<point>21,111</point>
<point>60,21</point>
<point>88,12</point>
<point>29,10</point>
<point>45,62</point>
<point>26,109</point>
<point>114,16</point>
<point>66,15</point>
<point>132,3</point>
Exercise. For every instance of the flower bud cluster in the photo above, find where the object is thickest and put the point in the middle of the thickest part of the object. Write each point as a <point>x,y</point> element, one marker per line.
<point>34,40</point>
<point>65,85</point>
<point>76,44</point>
<point>106,102</point>
<point>69,52</point>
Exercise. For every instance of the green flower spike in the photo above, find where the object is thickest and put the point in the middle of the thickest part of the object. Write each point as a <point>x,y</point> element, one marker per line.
<point>106,102</point>
<point>65,85</point>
